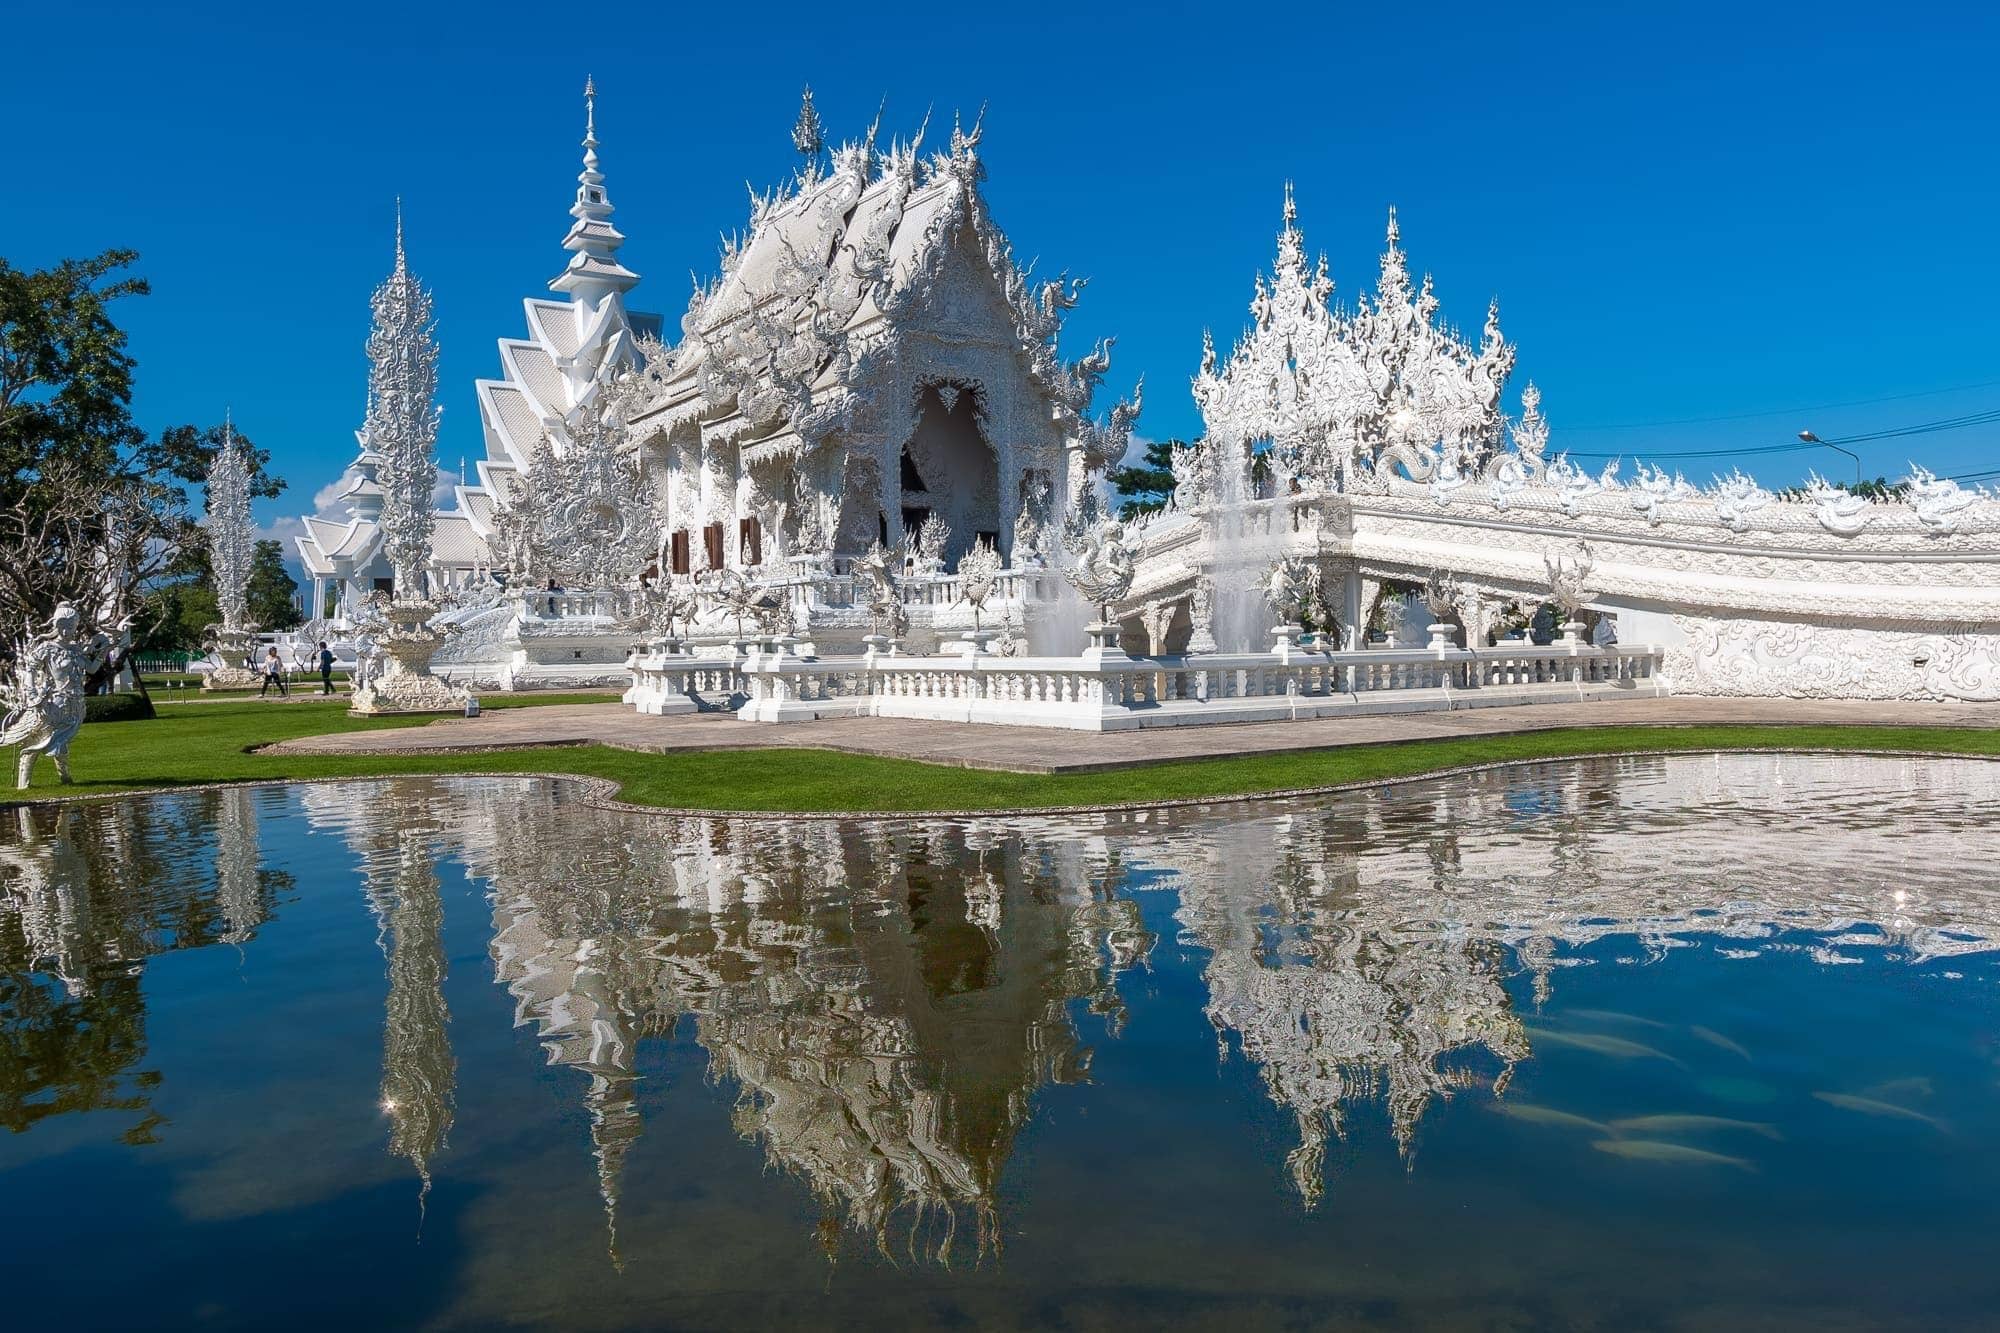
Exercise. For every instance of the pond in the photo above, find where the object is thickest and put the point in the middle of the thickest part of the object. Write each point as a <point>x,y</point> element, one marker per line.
<point>1652,1042</point>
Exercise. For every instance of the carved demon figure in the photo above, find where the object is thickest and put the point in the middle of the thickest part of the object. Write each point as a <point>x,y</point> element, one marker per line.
<point>45,696</point>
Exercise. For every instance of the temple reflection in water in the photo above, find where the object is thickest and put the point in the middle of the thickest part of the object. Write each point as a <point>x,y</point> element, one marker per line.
<point>89,893</point>
<point>888,999</point>
<point>885,999</point>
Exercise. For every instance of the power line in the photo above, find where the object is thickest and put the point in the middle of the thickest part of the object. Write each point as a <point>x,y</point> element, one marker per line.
<point>1691,453</point>
<point>1981,418</point>
<point>1789,411</point>
<point>1922,428</point>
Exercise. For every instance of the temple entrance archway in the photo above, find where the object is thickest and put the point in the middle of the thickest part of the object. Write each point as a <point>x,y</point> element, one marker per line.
<point>948,467</point>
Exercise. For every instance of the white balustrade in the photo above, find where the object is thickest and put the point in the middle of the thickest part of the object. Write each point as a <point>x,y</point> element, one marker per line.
<point>1116,693</point>
<point>561,604</point>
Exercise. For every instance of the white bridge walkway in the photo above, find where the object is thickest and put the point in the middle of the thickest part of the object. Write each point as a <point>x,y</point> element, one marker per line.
<point>1025,750</point>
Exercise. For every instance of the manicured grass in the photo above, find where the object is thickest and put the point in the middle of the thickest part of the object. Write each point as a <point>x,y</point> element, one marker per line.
<point>188,683</point>
<point>211,744</point>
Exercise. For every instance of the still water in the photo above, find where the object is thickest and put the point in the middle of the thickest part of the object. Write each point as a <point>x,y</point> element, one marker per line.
<point>1684,1042</point>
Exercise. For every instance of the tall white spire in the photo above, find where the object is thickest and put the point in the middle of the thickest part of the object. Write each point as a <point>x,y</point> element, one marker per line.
<point>230,536</point>
<point>403,418</point>
<point>593,272</point>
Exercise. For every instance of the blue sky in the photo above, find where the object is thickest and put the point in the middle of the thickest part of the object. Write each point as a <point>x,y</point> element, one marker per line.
<point>1708,227</point>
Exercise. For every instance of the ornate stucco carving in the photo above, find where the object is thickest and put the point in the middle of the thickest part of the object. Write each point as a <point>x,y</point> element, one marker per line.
<point>1806,659</point>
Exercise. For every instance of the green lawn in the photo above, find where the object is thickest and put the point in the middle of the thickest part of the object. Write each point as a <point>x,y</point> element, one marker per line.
<point>211,744</point>
<point>187,684</point>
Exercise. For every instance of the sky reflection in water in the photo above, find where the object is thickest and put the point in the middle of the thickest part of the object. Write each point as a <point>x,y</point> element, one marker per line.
<point>1660,1042</point>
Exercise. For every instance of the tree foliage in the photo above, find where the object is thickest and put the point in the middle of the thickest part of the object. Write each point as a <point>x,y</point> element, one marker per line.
<point>1146,486</point>
<point>65,376</point>
<point>92,511</point>
<point>80,520</point>
<point>1881,488</point>
<point>272,591</point>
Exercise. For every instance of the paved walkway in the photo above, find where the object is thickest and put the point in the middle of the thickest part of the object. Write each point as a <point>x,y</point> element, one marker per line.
<point>1040,750</point>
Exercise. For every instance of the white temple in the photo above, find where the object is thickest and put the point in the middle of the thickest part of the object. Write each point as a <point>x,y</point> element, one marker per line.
<point>865,447</point>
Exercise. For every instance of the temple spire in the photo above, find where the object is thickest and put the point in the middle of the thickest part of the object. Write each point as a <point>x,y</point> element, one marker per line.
<point>807,136</point>
<point>1291,245</point>
<point>1393,286</point>
<point>593,272</point>
<point>402,264</point>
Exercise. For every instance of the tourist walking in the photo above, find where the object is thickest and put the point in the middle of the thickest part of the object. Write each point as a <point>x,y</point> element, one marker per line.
<point>325,668</point>
<point>274,674</point>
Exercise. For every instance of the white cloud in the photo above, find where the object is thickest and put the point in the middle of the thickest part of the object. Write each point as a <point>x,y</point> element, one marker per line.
<point>441,493</point>
<point>328,495</point>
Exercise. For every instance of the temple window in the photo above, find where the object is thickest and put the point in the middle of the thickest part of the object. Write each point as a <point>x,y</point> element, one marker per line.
<point>679,554</point>
<point>711,540</point>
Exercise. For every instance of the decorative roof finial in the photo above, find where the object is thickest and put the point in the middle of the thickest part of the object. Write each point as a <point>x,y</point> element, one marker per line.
<point>807,136</point>
<point>874,128</point>
<point>1395,232</point>
<point>1291,207</point>
<point>402,266</point>
<point>589,123</point>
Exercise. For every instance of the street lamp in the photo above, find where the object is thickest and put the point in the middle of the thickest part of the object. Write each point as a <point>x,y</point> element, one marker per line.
<point>1808,437</point>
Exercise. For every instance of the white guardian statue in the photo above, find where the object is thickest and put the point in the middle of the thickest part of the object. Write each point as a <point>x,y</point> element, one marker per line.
<point>44,695</point>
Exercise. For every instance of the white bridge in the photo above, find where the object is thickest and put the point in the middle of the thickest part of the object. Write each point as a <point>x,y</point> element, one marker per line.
<point>1109,691</point>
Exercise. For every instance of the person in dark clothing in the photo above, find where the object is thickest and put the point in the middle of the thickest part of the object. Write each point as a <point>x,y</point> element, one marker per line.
<point>274,674</point>
<point>325,668</point>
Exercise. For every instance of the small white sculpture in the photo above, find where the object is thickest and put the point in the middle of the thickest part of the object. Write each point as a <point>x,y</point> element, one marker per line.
<point>978,578</point>
<point>1737,497</point>
<point>1838,511</point>
<point>736,597</point>
<point>1292,586</point>
<point>1446,478</point>
<point>1102,562</point>
<point>1575,486</point>
<point>1510,478</point>
<point>931,540</point>
<point>668,605</point>
<point>885,606</point>
<point>1655,488</point>
<point>44,696</point>
<point>1568,574</point>
<point>1940,502</point>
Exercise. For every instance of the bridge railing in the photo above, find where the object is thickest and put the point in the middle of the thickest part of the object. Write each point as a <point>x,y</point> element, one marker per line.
<point>772,683</point>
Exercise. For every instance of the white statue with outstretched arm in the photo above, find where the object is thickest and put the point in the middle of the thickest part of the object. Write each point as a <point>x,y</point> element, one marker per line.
<point>44,696</point>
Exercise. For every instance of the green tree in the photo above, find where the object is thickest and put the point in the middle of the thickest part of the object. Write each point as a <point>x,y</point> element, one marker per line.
<point>65,376</point>
<point>186,452</point>
<point>1146,486</point>
<point>91,510</point>
<point>1881,488</point>
<point>81,520</point>
<point>272,590</point>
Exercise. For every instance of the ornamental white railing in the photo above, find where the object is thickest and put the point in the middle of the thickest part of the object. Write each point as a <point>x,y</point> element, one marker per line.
<point>563,604</point>
<point>1113,692</point>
